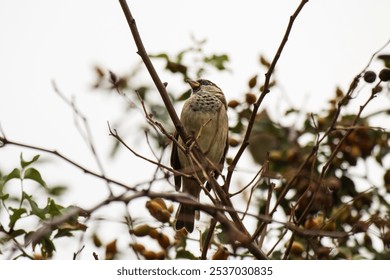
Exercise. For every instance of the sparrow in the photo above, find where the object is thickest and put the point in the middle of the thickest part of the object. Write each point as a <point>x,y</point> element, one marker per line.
<point>204,118</point>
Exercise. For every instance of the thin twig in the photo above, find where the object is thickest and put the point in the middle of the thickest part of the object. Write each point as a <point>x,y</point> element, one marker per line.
<point>6,141</point>
<point>265,91</point>
<point>206,243</point>
<point>258,173</point>
<point>266,212</point>
<point>87,134</point>
<point>115,134</point>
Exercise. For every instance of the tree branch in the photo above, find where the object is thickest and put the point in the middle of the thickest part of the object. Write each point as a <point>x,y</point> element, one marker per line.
<point>265,91</point>
<point>5,141</point>
<point>200,158</point>
<point>152,71</point>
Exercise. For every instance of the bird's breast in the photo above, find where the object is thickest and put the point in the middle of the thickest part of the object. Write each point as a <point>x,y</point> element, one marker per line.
<point>205,119</point>
<point>205,103</point>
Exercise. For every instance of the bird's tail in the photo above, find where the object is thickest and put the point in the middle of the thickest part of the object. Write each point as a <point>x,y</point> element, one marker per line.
<point>185,218</point>
<point>186,214</point>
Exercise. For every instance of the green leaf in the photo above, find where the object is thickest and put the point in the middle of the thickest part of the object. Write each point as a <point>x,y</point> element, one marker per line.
<point>15,174</point>
<point>142,91</point>
<point>47,246</point>
<point>183,254</point>
<point>53,209</point>
<point>184,96</point>
<point>35,210</point>
<point>18,232</point>
<point>33,174</point>
<point>160,55</point>
<point>218,61</point>
<point>344,253</point>
<point>24,163</point>
<point>222,236</point>
<point>4,196</point>
<point>175,67</point>
<point>348,187</point>
<point>15,216</point>
<point>63,233</point>
<point>180,55</point>
<point>383,255</point>
<point>57,190</point>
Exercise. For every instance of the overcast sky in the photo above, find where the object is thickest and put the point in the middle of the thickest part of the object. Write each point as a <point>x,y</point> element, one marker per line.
<point>61,40</point>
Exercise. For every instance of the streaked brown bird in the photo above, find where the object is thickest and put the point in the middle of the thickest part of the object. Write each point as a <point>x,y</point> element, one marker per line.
<point>204,117</point>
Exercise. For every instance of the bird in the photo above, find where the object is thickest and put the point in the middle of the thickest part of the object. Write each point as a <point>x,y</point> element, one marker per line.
<point>204,118</point>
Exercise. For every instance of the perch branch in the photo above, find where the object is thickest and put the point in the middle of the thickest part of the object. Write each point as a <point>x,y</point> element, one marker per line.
<point>180,129</point>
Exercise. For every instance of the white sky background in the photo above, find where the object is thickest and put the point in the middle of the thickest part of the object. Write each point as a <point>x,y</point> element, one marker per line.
<point>43,40</point>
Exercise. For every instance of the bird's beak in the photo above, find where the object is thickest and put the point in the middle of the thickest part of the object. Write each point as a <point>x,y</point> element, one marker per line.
<point>193,84</point>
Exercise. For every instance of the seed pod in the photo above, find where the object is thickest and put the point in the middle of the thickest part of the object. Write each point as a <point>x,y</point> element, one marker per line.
<point>96,240</point>
<point>233,103</point>
<point>250,98</point>
<point>233,142</point>
<point>154,233</point>
<point>153,207</point>
<point>369,76</point>
<point>141,230</point>
<point>111,250</point>
<point>275,155</point>
<point>160,255</point>
<point>339,92</point>
<point>157,211</point>
<point>163,216</point>
<point>360,226</point>
<point>343,214</point>
<point>330,226</point>
<point>252,82</point>
<point>149,255</point>
<point>138,247</point>
<point>38,257</point>
<point>291,155</point>
<point>297,248</point>
<point>161,202</point>
<point>323,253</point>
<point>221,254</point>
<point>333,183</point>
<point>265,62</point>
<point>311,223</point>
<point>384,75</point>
<point>163,240</point>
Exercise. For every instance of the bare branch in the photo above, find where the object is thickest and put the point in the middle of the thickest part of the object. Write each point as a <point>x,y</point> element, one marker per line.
<point>6,141</point>
<point>87,135</point>
<point>200,159</point>
<point>265,91</point>
<point>152,71</point>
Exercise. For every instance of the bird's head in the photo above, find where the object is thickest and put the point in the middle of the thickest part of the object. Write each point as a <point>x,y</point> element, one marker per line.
<point>203,85</point>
